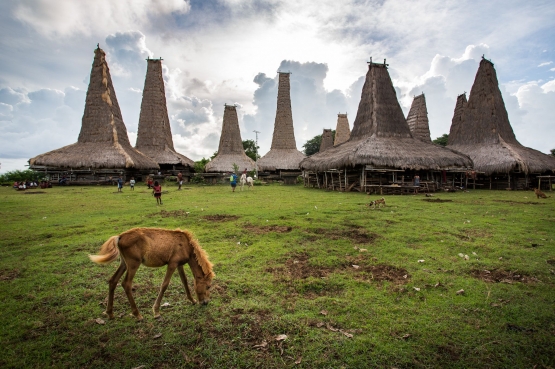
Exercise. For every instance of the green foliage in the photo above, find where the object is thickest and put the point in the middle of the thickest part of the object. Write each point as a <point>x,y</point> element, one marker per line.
<point>282,255</point>
<point>552,152</point>
<point>21,175</point>
<point>199,165</point>
<point>251,149</point>
<point>197,178</point>
<point>441,140</point>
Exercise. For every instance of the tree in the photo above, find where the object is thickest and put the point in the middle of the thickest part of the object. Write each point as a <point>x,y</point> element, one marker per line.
<point>199,165</point>
<point>552,152</point>
<point>442,140</point>
<point>312,146</point>
<point>251,149</point>
<point>21,175</point>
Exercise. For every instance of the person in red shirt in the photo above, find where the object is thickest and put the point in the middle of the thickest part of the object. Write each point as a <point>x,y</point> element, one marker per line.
<point>157,192</point>
<point>149,182</point>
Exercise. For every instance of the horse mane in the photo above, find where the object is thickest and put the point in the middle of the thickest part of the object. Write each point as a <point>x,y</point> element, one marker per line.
<point>200,255</point>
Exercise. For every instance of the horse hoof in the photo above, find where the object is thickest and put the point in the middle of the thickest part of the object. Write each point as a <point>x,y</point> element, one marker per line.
<point>109,315</point>
<point>138,316</point>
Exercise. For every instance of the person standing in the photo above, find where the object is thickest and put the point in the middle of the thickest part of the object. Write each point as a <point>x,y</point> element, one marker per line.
<point>416,183</point>
<point>157,192</point>
<point>132,183</point>
<point>149,182</point>
<point>179,180</point>
<point>120,184</point>
<point>233,181</point>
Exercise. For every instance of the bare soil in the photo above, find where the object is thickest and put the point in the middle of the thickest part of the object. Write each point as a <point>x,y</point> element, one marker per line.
<point>267,229</point>
<point>298,267</point>
<point>502,276</point>
<point>8,275</point>
<point>220,217</point>
<point>437,200</point>
<point>355,235</point>
<point>381,272</point>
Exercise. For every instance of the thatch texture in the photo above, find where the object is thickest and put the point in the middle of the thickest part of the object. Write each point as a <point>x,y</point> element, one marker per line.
<point>327,140</point>
<point>154,136</point>
<point>381,135</point>
<point>283,154</point>
<point>342,130</point>
<point>231,149</point>
<point>418,119</point>
<point>483,131</point>
<point>103,141</point>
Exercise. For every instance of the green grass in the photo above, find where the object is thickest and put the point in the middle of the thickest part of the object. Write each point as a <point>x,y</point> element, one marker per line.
<point>286,256</point>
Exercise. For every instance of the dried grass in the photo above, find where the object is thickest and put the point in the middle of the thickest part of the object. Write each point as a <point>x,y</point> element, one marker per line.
<point>418,119</point>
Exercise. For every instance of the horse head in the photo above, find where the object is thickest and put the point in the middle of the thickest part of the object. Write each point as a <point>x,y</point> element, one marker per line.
<point>202,288</point>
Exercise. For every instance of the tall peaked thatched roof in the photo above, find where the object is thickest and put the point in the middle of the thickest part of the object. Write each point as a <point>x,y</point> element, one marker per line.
<point>418,119</point>
<point>231,149</point>
<point>154,137</point>
<point>103,140</point>
<point>381,135</point>
<point>283,154</point>
<point>342,130</point>
<point>327,140</point>
<point>482,130</point>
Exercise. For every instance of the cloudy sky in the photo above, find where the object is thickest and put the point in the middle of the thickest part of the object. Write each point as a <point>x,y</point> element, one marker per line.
<point>229,51</point>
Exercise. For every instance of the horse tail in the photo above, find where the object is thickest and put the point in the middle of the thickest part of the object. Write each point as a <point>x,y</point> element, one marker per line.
<point>108,252</point>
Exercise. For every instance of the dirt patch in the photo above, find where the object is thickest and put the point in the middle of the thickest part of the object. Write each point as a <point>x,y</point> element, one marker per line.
<point>8,275</point>
<point>267,229</point>
<point>551,261</point>
<point>502,276</point>
<point>298,267</point>
<point>220,217</point>
<point>173,213</point>
<point>437,200</point>
<point>33,192</point>
<point>519,202</point>
<point>381,272</point>
<point>355,235</point>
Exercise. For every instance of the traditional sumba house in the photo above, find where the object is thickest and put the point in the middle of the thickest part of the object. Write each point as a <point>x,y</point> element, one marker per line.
<point>230,150</point>
<point>102,149</point>
<point>381,154</point>
<point>418,119</point>
<point>481,129</point>
<point>342,130</point>
<point>283,158</point>
<point>154,136</point>
<point>327,140</point>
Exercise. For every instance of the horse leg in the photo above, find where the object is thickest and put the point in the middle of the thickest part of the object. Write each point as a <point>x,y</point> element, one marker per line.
<point>184,280</point>
<point>132,267</point>
<point>156,307</point>
<point>112,283</point>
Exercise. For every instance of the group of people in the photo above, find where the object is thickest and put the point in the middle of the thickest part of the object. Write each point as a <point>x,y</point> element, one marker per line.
<point>24,185</point>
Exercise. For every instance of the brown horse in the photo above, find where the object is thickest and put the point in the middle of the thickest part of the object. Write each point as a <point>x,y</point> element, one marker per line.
<point>155,247</point>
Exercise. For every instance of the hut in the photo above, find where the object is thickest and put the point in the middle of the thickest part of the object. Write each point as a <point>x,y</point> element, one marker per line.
<point>481,129</point>
<point>342,130</point>
<point>230,150</point>
<point>381,153</point>
<point>327,140</point>
<point>154,136</point>
<point>418,119</point>
<point>282,161</point>
<point>103,149</point>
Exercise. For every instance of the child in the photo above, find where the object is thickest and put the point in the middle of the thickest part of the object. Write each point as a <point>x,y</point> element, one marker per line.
<point>132,183</point>
<point>157,192</point>
<point>233,181</point>
<point>120,184</point>
<point>179,180</point>
<point>149,182</point>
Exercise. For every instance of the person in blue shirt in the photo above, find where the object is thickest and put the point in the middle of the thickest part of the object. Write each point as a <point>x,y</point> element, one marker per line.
<point>233,181</point>
<point>120,184</point>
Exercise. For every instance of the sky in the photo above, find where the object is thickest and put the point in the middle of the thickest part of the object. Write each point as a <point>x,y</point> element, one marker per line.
<point>218,52</point>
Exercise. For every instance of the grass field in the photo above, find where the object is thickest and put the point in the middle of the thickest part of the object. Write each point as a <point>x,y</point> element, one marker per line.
<point>349,286</point>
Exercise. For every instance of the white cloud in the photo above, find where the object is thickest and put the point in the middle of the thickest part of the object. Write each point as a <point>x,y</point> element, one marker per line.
<point>545,63</point>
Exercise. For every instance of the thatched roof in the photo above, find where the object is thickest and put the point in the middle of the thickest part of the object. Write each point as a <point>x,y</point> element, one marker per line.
<point>381,135</point>
<point>103,140</point>
<point>418,119</point>
<point>154,136</point>
<point>231,149</point>
<point>283,154</point>
<point>481,129</point>
<point>327,140</point>
<point>342,131</point>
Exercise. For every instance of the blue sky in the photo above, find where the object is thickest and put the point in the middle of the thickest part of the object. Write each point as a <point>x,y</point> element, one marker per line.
<point>228,51</point>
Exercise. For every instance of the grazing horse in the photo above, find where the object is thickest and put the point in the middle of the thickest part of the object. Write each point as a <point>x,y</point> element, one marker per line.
<point>155,247</point>
<point>248,180</point>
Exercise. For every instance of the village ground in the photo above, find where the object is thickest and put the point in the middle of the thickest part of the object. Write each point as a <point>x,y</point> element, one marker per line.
<point>460,280</point>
